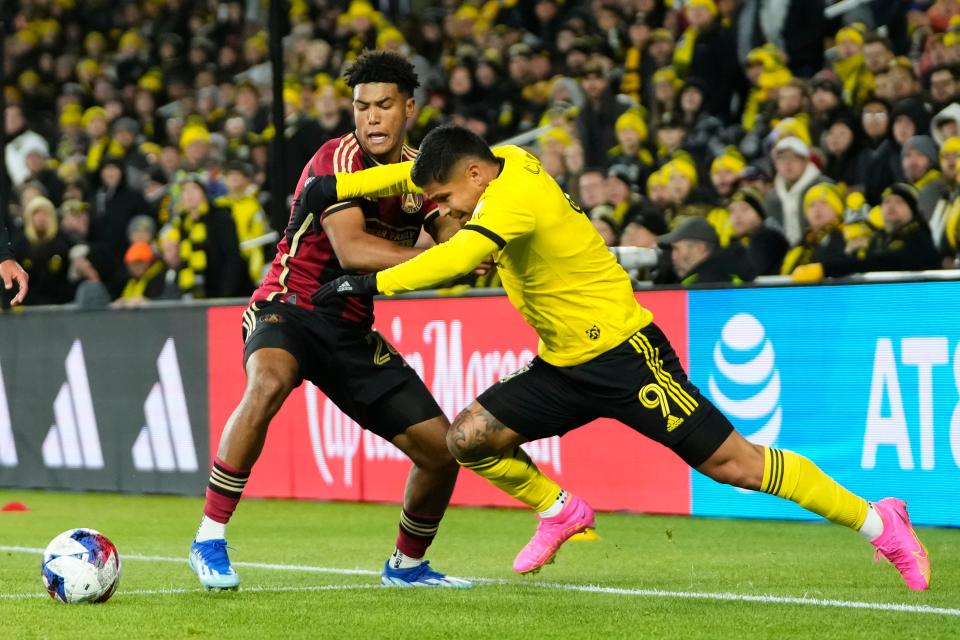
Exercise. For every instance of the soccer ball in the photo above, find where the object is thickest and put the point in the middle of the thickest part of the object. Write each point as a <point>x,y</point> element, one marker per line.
<point>80,565</point>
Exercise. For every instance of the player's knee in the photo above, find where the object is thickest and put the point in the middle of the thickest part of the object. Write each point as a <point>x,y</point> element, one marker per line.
<point>433,456</point>
<point>436,462</point>
<point>462,437</point>
<point>269,387</point>
<point>744,468</point>
<point>737,475</point>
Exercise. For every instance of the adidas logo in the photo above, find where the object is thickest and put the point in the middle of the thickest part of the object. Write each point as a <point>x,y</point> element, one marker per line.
<point>344,286</point>
<point>73,440</point>
<point>673,422</point>
<point>8,448</point>
<point>165,442</point>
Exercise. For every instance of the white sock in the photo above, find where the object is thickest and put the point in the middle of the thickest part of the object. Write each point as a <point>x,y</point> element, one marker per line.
<point>399,560</point>
<point>211,530</point>
<point>872,524</point>
<point>557,506</point>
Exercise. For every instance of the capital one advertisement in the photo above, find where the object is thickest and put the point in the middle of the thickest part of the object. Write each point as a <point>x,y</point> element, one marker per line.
<point>459,347</point>
<point>862,379</point>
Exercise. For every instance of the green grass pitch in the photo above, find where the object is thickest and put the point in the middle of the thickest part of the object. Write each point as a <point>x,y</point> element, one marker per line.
<point>646,577</point>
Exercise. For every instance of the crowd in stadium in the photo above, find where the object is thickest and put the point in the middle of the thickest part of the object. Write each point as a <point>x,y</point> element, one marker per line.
<point>764,137</point>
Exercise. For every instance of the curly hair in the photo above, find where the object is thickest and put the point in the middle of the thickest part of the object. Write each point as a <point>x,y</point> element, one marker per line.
<point>383,66</point>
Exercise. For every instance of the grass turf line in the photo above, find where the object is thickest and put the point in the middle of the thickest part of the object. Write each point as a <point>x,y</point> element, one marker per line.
<point>788,560</point>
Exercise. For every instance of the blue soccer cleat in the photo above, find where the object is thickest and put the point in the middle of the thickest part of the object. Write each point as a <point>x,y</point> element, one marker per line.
<point>420,576</point>
<point>210,562</point>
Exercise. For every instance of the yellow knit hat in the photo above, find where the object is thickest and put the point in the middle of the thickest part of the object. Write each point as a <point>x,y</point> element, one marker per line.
<point>94,38</point>
<point>709,5</point>
<point>389,35</point>
<point>151,82</point>
<point>131,38</point>
<point>559,134</point>
<point>731,159</point>
<point>659,178</point>
<point>667,74</point>
<point>292,96</point>
<point>257,41</point>
<point>826,192</point>
<point>27,36</point>
<point>193,133</point>
<point>950,145</point>
<point>850,33</point>
<point>88,66</point>
<point>91,114</point>
<point>632,120</point>
<point>28,79</point>
<point>684,167</point>
<point>768,55</point>
<point>792,128</point>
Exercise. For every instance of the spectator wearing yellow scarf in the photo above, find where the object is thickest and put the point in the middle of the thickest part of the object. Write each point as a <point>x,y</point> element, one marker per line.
<point>767,72</point>
<point>248,216</point>
<point>858,81</point>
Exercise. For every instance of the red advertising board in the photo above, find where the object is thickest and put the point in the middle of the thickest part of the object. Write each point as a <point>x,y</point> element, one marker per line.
<point>459,346</point>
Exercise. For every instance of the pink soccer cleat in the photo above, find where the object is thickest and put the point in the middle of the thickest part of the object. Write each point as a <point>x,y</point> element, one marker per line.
<point>576,516</point>
<point>900,545</point>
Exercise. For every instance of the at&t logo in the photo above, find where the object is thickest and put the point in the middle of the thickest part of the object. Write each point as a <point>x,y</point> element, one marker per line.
<point>745,383</point>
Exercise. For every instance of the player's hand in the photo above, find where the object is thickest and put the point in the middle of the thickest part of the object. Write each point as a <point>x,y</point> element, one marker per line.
<point>485,267</point>
<point>812,272</point>
<point>10,272</point>
<point>346,286</point>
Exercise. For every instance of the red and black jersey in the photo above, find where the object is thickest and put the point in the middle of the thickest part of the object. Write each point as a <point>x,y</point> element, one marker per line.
<point>305,258</point>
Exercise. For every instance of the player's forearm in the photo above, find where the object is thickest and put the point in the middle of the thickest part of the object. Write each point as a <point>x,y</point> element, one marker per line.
<point>376,182</point>
<point>456,257</point>
<point>366,252</point>
<point>442,228</point>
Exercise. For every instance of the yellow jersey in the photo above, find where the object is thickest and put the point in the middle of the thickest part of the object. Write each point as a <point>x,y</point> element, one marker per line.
<point>554,266</point>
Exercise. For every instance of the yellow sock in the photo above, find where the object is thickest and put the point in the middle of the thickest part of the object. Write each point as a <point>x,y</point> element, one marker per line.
<point>516,474</point>
<point>793,477</point>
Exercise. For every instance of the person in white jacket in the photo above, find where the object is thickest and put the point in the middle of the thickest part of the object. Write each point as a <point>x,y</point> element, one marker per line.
<point>946,124</point>
<point>795,174</point>
<point>21,141</point>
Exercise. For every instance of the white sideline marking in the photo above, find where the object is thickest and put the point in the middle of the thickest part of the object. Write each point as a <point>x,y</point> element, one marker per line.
<point>744,597</point>
<point>166,592</point>
<point>557,586</point>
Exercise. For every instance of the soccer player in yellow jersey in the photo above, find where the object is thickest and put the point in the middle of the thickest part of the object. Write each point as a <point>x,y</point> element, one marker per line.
<point>600,354</point>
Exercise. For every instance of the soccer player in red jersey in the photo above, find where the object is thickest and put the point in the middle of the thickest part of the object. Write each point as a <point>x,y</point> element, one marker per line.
<point>287,339</point>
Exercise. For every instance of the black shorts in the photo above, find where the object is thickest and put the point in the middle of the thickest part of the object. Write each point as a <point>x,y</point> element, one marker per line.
<point>356,367</point>
<point>640,383</point>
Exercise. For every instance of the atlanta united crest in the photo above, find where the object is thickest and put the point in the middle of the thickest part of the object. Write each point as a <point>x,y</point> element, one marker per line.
<point>411,202</point>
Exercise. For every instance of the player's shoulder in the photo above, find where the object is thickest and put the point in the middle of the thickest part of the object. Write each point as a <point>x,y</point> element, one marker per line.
<point>338,155</point>
<point>519,167</point>
<point>511,151</point>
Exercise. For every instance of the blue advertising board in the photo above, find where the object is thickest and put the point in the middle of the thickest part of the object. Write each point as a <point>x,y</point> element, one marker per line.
<point>862,379</point>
